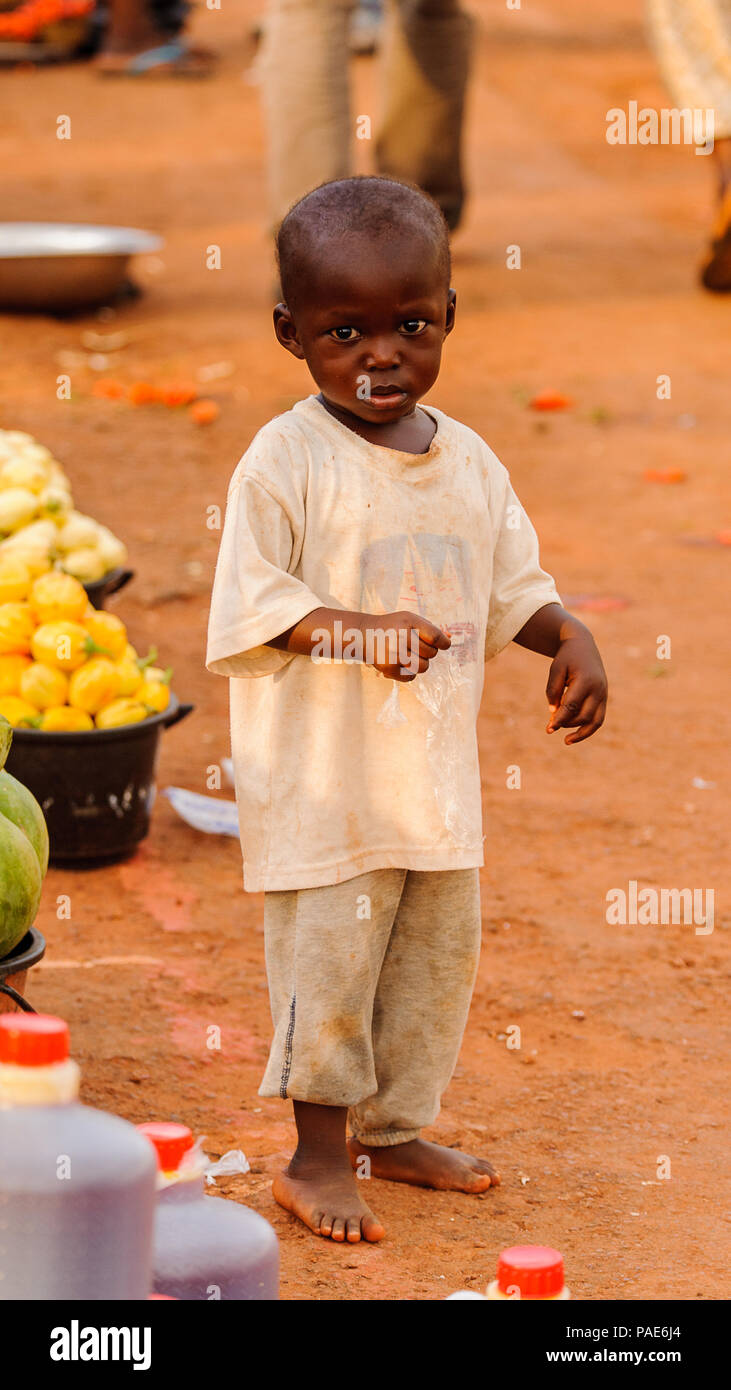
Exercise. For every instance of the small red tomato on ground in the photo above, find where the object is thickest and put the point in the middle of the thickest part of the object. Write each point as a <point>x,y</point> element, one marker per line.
<point>550,400</point>
<point>178,393</point>
<point>204,412</point>
<point>108,389</point>
<point>143,393</point>
<point>664,475</point>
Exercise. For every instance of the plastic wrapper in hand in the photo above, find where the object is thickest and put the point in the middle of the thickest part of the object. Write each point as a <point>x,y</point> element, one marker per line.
<point>445,742</point>
<point>435,688</point>
<point>391,712</point>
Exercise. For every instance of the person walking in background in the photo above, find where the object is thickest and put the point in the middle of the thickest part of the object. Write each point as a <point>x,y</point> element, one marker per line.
<point>692,43</point>
<point>424,64</point>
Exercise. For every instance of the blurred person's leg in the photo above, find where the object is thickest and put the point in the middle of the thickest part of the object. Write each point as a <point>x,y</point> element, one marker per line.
<point>147,36</point>
<point>425,58</point>
<point>692,43</point>
<point>303,71</point>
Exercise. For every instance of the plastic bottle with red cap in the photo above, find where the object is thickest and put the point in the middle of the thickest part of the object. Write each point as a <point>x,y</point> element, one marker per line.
<point>533,1273</point>
<point>205,1247</point>
<point>77,1186</point>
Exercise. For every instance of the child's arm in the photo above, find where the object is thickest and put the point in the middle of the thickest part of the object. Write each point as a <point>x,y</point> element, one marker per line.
<point>577,682</point>
<point>428,639</point>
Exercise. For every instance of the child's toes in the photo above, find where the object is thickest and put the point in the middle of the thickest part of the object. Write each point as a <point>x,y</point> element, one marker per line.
<point>484,1167</point>
<point>372,1228</point>
<point>338,1229</point>
<point>477,1181</point>
<point>352,1229</point>
<point>326,1224</point>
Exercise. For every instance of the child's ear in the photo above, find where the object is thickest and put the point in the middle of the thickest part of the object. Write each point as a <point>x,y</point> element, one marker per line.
<point>286,332</point>
<point>451,310</point>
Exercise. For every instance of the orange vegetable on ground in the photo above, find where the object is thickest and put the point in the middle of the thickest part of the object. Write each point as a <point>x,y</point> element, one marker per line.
<point>664,475</point>
<point>550,400</point>
<point>204,412</point>
<point>143,393</point>
<point>178,393</point>
<point>108,389</point>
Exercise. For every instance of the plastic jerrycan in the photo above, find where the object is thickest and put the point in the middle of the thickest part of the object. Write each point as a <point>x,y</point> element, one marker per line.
<point>205,1247</point>
<point>77,1186</point>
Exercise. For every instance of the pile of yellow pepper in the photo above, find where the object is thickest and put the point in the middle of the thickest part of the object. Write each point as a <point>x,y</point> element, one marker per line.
<point>66,666</point>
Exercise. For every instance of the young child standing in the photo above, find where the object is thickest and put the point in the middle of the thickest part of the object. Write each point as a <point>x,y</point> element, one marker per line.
<point>369,537</point>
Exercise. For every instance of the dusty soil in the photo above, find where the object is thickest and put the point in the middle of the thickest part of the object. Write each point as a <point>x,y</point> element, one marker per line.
<point>621,1053</point>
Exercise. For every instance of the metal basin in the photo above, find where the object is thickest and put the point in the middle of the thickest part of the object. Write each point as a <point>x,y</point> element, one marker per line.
<point>60,266</point>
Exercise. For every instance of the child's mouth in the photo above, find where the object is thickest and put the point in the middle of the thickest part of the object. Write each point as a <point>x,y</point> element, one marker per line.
<point>386,397</point>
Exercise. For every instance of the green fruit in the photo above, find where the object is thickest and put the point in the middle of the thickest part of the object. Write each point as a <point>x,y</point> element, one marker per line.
<point>6,738</point>
<point>21,807</point>
<point>20,885</point>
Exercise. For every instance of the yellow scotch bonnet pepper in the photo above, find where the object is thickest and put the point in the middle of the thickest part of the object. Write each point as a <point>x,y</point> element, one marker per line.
<point>56,595</point>
<point>16,627</point>
<point>94,685</point>
<point>43,685</point>
<point>64,644</point>
<point>63,719</point>
<point>120,712</point>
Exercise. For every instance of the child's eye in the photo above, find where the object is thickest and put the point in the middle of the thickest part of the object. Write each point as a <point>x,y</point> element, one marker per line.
<point>344,334</point>
<point>411,327</point>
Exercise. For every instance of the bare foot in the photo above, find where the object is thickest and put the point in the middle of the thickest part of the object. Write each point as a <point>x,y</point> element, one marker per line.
<point>328,1201</point>
<point>427,1165</point>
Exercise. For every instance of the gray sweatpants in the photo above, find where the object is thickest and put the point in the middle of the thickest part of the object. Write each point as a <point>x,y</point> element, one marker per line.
<point>370,983</point>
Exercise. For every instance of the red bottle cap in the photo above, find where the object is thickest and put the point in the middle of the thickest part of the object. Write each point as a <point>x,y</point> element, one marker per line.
<point>33,1040</point>
<point>170,1142</point>
<point>536,1270</point>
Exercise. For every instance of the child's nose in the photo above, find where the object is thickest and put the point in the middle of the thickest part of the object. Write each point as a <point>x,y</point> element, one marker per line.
<point>383,352</point>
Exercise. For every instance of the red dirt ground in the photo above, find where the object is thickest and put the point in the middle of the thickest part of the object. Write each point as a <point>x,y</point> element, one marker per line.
<point>160,948</point>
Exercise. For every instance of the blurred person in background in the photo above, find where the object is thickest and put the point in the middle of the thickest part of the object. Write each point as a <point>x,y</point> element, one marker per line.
<point>692,42</point>
<point>424,49</point>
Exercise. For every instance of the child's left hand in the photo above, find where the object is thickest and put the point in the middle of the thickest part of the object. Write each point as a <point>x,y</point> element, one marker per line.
<point>577,688</point>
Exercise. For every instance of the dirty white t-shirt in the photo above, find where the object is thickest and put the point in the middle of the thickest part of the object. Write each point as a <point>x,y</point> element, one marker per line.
<point>329,784</point>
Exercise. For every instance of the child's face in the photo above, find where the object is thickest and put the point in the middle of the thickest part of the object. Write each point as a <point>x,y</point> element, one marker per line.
<point>370,325</point>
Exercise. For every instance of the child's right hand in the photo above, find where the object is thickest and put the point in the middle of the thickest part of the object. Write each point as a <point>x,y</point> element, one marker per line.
<point>408,655</point>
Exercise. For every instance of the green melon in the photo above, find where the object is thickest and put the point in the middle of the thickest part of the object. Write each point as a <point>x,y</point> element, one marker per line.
<point>23,853</point>
<point>21,807</point>
<point>6,738</point>
<point>21,881</point>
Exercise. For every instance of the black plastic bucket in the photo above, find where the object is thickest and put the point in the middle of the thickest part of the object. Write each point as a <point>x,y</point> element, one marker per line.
<point>96,787</point>
<point>14,968</point>
<point>99,589</point>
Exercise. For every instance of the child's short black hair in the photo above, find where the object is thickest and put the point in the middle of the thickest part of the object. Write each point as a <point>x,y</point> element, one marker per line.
<point>369,204</point>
